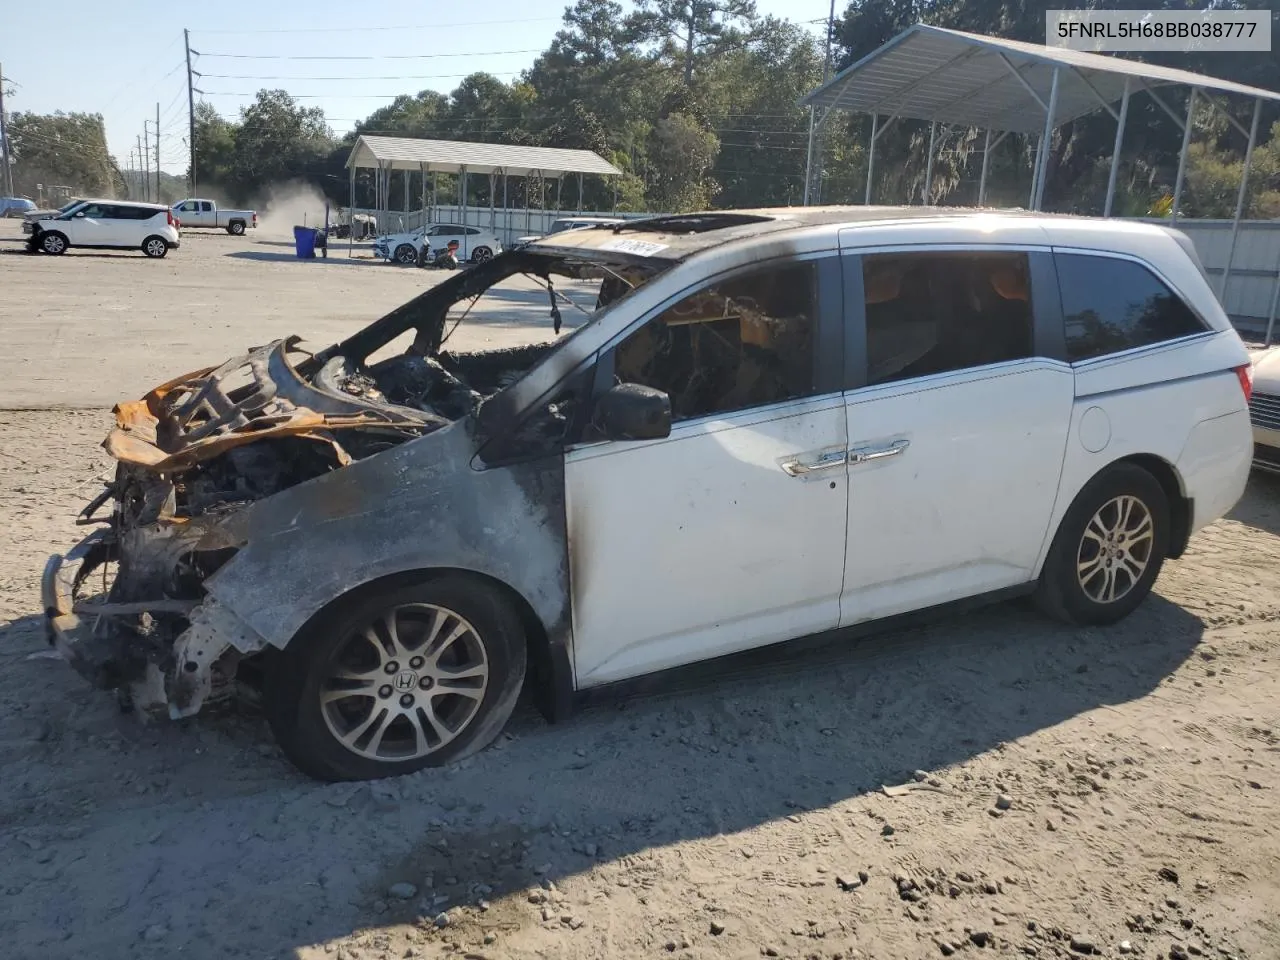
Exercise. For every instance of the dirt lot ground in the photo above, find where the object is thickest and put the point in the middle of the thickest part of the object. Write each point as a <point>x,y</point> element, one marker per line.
<point>737,816</point>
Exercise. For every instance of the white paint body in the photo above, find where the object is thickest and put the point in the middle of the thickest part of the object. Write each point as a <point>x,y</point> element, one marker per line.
<point>699,545</point>
<point>437,237</point>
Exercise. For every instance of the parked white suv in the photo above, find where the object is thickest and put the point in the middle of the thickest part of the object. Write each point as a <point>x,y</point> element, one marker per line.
<point>774,423</point>
<point>148,227</point>
<point>406,248</point>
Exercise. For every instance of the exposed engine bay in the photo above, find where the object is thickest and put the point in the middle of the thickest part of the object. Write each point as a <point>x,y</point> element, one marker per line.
<point>128,606</point>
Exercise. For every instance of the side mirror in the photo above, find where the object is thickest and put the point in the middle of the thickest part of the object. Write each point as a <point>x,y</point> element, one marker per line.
<point>630,411</point>
<point>80,215</point>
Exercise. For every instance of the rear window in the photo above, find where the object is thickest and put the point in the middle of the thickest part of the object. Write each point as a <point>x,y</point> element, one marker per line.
<point>1110,305</point>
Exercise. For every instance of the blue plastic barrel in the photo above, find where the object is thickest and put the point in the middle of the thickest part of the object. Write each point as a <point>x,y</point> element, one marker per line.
<point>304,242</point>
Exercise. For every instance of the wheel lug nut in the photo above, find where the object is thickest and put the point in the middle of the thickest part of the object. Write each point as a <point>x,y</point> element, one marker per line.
<point>384,692</point>
<point>426,683</point>
<point>406,700</point>
<point>416,663</point>
<point>391,667</point>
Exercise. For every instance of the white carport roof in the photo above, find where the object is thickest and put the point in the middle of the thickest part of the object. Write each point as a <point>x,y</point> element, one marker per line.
<point>453,156</point>
<point>930,73</point>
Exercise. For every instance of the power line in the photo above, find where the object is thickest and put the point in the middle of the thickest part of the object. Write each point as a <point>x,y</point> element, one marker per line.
<point>327,96</point>
<point>401,27</point>
<point>368,56</point>
<point>345,79</point>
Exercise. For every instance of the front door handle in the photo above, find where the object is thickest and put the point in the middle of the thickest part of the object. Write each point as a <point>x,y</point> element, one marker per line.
<point>867,454</point>
<point>800,468</point>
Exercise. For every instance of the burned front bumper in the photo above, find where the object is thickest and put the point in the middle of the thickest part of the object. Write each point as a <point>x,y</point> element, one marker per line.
<point>163,655</point>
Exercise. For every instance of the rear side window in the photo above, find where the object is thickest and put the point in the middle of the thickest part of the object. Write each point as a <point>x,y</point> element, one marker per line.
<point>206,206</point>
<point>933,313</point>
<point>1110,305</point>
<point>133,213</point>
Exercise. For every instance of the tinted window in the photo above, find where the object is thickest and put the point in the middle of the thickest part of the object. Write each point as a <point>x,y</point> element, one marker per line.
<point>206,206</point>
<point>1111,305</point>
<point>935,312</point>
<point>741,343</point>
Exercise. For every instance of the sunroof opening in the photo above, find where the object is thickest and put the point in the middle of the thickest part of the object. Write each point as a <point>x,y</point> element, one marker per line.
<point>691,223</point>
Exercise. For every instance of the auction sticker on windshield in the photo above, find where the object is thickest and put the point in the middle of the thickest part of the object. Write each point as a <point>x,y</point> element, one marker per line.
<point>641,248</point>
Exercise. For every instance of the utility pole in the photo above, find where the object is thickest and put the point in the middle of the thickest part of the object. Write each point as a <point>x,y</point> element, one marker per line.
<point>191,110</point>
<point>158,200</point>
<point>813,162</point>
<point>146,167</point>
<point>129,181</point>
<point>7,180</point>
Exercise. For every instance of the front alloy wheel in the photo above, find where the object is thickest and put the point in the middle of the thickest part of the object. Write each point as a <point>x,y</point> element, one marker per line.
<point>406,684</point>
<point>396,679</point>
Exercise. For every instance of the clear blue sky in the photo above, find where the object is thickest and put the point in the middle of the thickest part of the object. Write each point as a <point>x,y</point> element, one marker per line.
<point>119,59</point>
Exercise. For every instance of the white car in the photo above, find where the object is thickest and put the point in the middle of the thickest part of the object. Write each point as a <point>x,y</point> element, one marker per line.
<point>1264,410</point>
<point>775,423</point>
<point>573,223</point>
<point>120,224</point>
<point>405,248</point>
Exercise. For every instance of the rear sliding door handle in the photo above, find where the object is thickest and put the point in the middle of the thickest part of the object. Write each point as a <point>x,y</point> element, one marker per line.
<point>801,468</point>
<point>867,454</point>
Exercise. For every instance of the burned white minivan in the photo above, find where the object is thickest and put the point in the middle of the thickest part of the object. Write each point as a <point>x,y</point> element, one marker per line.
<point>768,424</point>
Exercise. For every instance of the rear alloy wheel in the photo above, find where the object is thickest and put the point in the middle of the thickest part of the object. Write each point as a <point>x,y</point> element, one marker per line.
<point>481,254</point>
<point>1108,550</point>
<point>406,678</point>
<point>405,254</point>
<point>54,243</point>
<point>155,247</point>
<point>236,228</point>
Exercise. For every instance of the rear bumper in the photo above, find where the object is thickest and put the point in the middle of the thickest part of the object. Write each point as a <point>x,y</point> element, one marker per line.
<point>175,243</point>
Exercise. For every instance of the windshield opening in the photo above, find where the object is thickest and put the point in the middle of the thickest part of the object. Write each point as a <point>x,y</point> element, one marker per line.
<point>453,347</point>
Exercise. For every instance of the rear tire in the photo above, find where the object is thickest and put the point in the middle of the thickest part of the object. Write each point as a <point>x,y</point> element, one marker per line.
<point>155,247</point>
<point>1108,550</point>
<point>236,228</point>
<point>344,707</point>
<point>54,243</point>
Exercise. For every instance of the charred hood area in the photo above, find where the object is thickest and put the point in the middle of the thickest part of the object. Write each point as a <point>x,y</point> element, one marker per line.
<point>128,607</point>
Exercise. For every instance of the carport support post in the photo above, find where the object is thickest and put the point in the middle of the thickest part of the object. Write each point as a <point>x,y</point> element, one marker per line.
<point>506,211</point>
<point>1244,189</point>
<point>580,191</point>
<point>1271,314</point>
<point>871,158</point>
<point>986,159</point>
<point>1035,174</point>
<point>1182,155</point>
<point>351,213</point>
<point>1046,140</point>
<point>493,189</point>
<point>406,190</point>
<point>928,168</point>
<point>1115,151</point>
<point>435,194</point>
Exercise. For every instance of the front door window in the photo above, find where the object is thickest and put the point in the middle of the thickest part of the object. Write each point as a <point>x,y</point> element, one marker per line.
<point>739,343</point>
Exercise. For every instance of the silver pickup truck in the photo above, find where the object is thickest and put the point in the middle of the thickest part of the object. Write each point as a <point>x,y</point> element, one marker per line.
<point>206,213</point>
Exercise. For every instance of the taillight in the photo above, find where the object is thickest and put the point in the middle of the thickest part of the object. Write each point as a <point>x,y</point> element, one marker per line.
<point>169,217</point>
<point>1245,375</point>
<point>255,218</point>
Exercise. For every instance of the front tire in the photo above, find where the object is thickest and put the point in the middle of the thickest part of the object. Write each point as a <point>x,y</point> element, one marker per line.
<point>1108,550</point>
<point>155,247</point>
<point>397,679</point>
<point>236,228</point>
<point>405,255</point>
<point>54,243</point>
<point>481,255</point>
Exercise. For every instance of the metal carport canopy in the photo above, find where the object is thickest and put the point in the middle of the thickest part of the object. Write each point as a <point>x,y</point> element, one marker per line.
<point>456,156</point>
<point>966,79</point>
